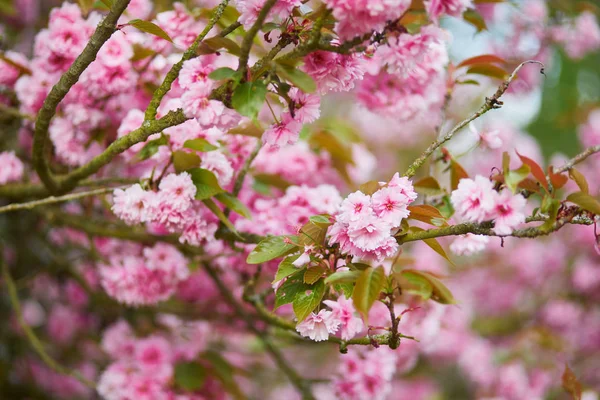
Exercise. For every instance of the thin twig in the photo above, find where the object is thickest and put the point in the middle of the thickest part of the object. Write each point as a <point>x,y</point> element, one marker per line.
<point>173,73</point>
<point>52,200</point>
<point>491,103</point>
<point>578,158</point>
<point>301,384</point>
<point>249,38</point>
<point>31,337</point>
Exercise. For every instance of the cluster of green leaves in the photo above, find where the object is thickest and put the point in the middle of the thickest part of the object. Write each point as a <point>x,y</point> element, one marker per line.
<point>305,287</point>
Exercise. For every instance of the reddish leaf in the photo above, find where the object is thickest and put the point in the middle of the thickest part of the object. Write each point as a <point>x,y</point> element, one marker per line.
<point>536,170</point>
<point>428,214</point>
<point>571,384</point>
<point>490,70</point>
<point>483,59</point>
<point>557,180</point>
<point>428,185</point>
<point>457,172</point>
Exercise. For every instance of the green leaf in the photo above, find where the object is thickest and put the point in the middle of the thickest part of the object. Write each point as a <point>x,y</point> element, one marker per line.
<point>215,43</point>
<point>579,180</point>
<point>585,201</point>
<point>270,248</point>
<point>368,286</point>
<point>298,78</point>
<point>107,3</point>
<point>233,203</point>
<point>428,185</point>
<point>414,284</point>
<point>273,180</point>
<point>224,372</point>
<point>7,8</point>
<point>475,19</point>
<point>248,128</point>
<point>550,206</point>
<point>189,375</point>
<point>286,268</point>
<point>439,293</point>
<point>249,97</point>
<point>322,219</point>
<point>312,234</point>
<point>369,187</point>
<point>212,206</point>
<point>343,277</point>
<point>292,287</point>
<point>314,273</point>
<point>345,288</point>
<point>514,177</point>
<point>151,148</point>
<point>468,82</point>
<point>206,183</point>
<point>269,26</point>
<point>184,161</point>
<point>86,6</point>
<point>434,244</point>
<point>151,28</point>
<point>358,266</point>
<point>221,73</point>
<point>306,301</point>
<point>428,214</point>
<point>139,53</point>
<point>199,144</point>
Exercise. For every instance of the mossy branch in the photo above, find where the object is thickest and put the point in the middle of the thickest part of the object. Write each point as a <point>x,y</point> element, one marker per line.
<point>34,341</point>
<point>173,73</point>
<point>41,139</point>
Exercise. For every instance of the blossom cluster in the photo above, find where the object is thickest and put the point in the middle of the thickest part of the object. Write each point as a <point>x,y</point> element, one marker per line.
<point>144,279</point>
<point>475,200</point>
<point>365,224</point>
<point>171,208</point>
<point>342,317</point>
<point>143,368</point>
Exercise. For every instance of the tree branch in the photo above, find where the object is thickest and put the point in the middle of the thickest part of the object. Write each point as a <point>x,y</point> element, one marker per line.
<point>249,38</point>
<point>301,384</point>
<point>490,104</point>
<point>173,73</point>
<point>578,158</point>
<point>53,200</point>
<point>31,337</point>
<point>40,139</point>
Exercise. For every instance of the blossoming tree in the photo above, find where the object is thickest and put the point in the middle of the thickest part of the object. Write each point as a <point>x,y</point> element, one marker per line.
<point>194,194</point>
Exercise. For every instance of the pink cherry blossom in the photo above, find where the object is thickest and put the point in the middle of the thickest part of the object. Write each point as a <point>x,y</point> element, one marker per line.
<point>508,212</point>
<point>391,204</point>
<point>318,326</point>
<point>436,8</point>
<point>11,168</point>
<point>343,310</point>
<point>131,204</point>
<point>283,133</point>
<point>466,245</point>
<point>178,189</point>
<point>474,199</point>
